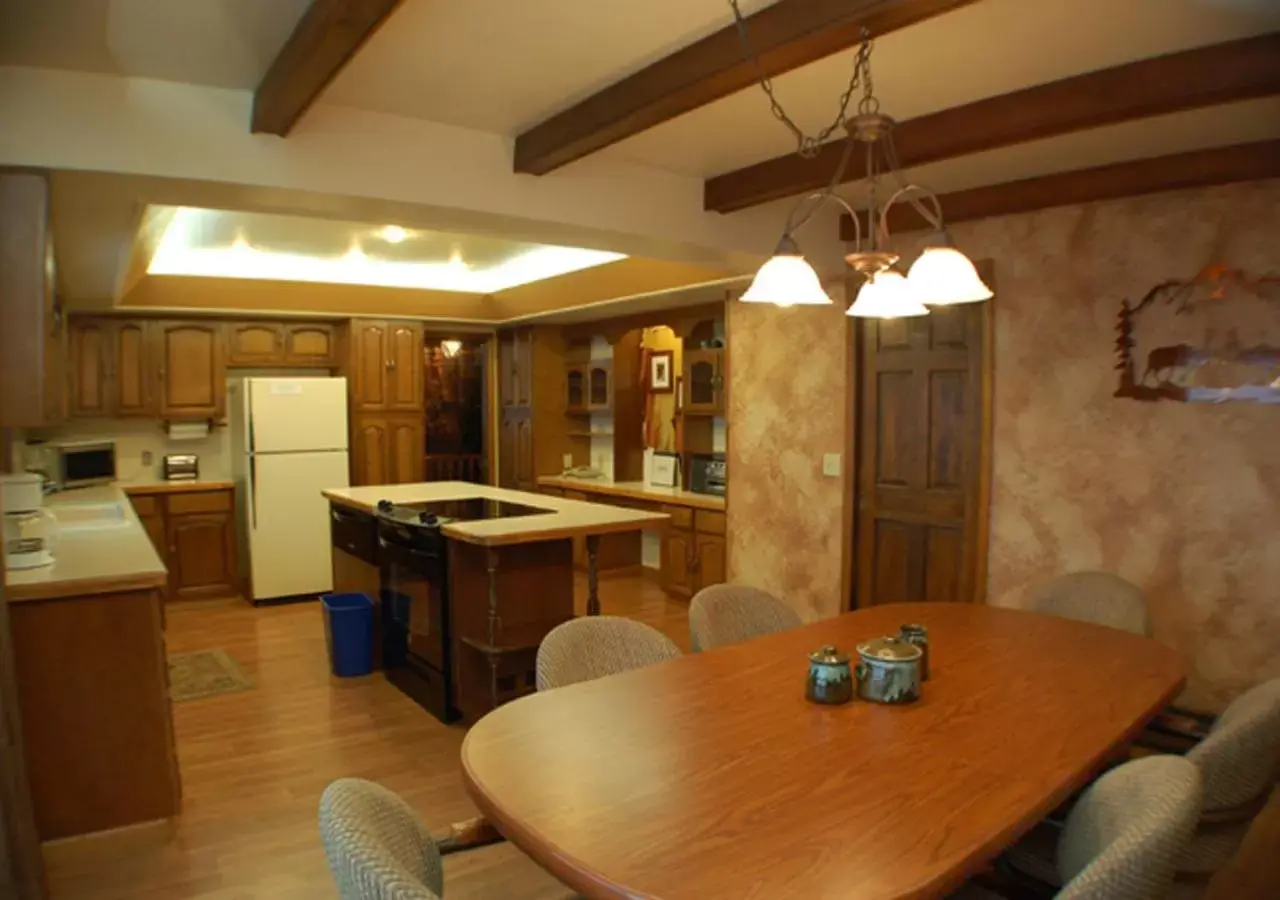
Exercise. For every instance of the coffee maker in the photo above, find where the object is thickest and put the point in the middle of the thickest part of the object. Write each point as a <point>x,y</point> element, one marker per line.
<point>29,528</point>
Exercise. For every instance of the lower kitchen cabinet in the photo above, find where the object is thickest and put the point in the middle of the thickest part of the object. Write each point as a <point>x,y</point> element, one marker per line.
<point>388,449</point>
<point>195,534</point>
<point>693,551</point>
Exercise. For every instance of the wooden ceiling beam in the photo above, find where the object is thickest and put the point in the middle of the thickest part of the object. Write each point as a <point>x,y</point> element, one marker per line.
<point>1196,168</point>
<point>326,37</point>
<point>1206,76</point>
<point>786,35</point>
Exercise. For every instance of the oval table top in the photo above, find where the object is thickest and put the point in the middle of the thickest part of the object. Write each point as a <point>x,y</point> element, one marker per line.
<point>711,776</point>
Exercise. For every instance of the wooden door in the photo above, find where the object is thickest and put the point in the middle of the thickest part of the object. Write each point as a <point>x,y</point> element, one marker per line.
<point>407,440</point>
<point>405,367</point>
<point>132,387</point>
<point>255,344</point>
<point>90,367</point>
<point>703,382</point>
<point>677,553</point>
<point>923,463</point>
<point>526,477</point>
<point>370,451</point>
<point>507,450</point>
<point>522,386</point>
<point>369,348</point>
<point>201,556</point>
<point>192,369</point>
<point>507,368</point>
<point>309,344</point>
<point>710,553</point>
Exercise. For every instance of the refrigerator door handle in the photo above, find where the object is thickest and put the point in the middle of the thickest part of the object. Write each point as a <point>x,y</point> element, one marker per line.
<point>253,491</point>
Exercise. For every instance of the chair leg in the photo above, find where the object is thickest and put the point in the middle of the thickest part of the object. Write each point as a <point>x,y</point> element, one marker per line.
<point>468,835</point>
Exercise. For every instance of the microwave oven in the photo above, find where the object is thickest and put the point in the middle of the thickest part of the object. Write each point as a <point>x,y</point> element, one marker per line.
<point>73,464</point>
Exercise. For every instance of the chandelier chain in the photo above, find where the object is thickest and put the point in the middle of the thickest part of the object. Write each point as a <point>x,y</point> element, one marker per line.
<point>808,146</point>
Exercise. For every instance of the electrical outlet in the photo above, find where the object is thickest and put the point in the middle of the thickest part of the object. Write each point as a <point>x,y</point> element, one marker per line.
<point>831,465</point>
<point>567,459</point>
<point>146,457</point>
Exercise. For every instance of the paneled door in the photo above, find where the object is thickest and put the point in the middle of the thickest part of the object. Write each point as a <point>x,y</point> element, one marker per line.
<point>924,457</point>
<point>405,383</point>
<point>369,341</point>
<point>192,369</point>
<point>90,367</point>
<point>131,369</point>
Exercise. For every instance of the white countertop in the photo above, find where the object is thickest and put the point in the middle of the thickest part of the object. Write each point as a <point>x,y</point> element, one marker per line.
<point>90,560</point>
<point>563,519</point>
<point>635,490</point>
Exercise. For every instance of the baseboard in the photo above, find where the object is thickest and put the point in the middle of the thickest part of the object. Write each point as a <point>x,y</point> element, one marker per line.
<point>110,843</point>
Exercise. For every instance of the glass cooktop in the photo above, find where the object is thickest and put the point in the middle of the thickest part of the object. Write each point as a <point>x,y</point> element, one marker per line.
<point>465,509</point>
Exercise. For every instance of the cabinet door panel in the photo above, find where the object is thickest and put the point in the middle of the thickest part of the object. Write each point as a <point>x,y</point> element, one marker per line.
<point>507,451</point>
<point>369,346</point>
<point>309,344</point>
<point>523,369</point>
<point>370,451</point>
<point>405,367</point>
<point>408,447</point>
<point>131,369</point>
<point>711,562</point>
<point>676,555</point>
<point>525,476</point>
<point>90,354</point>
<point>201,556</point>
<point>703,382</point>
<point>192,372</point>
<point>256,343</point>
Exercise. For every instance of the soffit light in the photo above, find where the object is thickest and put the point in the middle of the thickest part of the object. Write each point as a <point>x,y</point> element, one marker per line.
<point>942,275</point>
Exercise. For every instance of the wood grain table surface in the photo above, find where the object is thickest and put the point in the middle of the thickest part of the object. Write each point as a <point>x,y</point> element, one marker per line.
<point>711,776</point>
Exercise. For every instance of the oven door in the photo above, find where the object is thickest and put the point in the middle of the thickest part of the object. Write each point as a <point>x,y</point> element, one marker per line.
<point>414,605</point>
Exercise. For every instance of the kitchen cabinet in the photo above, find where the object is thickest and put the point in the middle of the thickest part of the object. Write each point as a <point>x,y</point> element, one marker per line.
<point>599,386</point>
<point>388,449</point>
<point>33,333</point>
<point>515,450</point>
<point>387,366</point>
<point>194,533</point>
<point>109,368</point>
<point>693,550</point>
<point>704,382</point>
<point>310,344</point>
<point>191,369</point>
<point>268,343</point>
<point>575,389</point>
<point>676,573</point>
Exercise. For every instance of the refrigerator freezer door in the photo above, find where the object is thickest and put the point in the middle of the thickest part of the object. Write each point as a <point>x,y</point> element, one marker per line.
<point>289,522</point>
<point>297,414</point>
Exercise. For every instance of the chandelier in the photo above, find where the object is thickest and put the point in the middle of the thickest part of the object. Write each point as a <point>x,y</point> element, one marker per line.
<point>940,276</point>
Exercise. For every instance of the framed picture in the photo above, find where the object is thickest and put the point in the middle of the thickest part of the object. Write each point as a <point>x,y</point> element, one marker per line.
<point>660,379</point>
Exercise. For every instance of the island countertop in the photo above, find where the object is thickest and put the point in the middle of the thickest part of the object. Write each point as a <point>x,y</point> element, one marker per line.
<point>563,519</point>
<point>634,490</point>
<point>102,548</point>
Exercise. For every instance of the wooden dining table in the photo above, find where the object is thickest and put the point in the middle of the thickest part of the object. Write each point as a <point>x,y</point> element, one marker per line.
<point>711,776</point>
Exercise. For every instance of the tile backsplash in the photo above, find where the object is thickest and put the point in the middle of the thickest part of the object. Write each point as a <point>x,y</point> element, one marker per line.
<point>134,438</point>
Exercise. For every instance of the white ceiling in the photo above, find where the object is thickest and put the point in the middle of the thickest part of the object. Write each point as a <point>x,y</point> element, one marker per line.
<point>221,43</point>
<point>500,66</point>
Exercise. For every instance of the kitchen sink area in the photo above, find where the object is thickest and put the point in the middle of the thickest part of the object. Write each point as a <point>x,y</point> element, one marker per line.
<point>73,517</point>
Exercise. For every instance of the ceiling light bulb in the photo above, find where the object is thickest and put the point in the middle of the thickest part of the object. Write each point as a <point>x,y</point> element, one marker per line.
<point>886,295</point>
<point>355,251</point>
<point>455,261</point>
<point>451,347</point>
<point>943,276</point>
<point>394,234</point>
<point>787,280</point>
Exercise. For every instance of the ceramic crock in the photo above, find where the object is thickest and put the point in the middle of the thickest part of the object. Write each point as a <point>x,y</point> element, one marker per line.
<point>889,671</point>
<point>918,635</point>
<point>830,677</point>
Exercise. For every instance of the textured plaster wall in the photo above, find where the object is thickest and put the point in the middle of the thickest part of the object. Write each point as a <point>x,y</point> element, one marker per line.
<point>1182,499</point>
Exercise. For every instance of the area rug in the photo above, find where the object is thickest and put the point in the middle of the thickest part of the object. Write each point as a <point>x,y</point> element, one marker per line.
<point>204,674</point>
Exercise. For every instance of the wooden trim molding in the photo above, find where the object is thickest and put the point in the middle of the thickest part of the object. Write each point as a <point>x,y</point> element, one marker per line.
<point>1196,168</point>
<point>326,37</point>
<point>1206,76</point>
<point>785,36</point>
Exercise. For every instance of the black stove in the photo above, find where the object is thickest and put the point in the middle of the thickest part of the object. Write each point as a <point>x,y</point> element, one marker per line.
<point>434,513</point>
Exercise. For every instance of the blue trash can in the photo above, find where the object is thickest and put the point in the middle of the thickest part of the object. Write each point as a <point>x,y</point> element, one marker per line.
<point>348,633</point>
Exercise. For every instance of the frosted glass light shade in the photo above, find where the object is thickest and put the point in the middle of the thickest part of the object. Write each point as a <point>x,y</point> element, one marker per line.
<point>787,280</point>
<point>943,276</point>
<point>887,295</point>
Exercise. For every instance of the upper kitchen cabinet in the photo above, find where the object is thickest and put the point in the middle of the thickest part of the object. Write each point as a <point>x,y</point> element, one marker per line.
<point>265,343</point>
<point>704,382</point>
<point>32,327</point>
<point>387,366</point>
<point>191,369</point>
<point>599,385</point>
<point>110,370</point>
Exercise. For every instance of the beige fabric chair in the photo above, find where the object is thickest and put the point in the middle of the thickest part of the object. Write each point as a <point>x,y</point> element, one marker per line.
<point>595,646</point>
<point>727,614</point>
<point>1098,597</point>
<point>1238,761</point>
<point>377,848</point>
<point>1122,840</point>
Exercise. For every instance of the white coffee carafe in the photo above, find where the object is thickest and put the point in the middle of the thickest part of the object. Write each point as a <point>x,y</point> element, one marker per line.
<point>30,530</point>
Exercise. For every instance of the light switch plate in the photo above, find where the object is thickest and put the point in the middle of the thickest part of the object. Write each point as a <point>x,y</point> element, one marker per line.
<point>831,465</point>
<point>567,459</point>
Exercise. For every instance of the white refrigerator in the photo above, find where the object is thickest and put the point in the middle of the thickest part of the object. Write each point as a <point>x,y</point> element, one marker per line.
<point>289,442</point>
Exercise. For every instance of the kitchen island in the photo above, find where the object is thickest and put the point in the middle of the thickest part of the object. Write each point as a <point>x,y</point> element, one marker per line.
<point>472,620</point>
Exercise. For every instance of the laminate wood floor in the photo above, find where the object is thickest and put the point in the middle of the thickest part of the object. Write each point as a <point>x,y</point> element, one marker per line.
<point>255,763</point>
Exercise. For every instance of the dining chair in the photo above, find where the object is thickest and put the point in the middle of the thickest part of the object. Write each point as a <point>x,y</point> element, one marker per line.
<point>1097,597</point>
<point>730,614</point>
<point>595,646</point>
<point>1239,761</point>
<point>1122,840</point>
<point>378,849</point>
